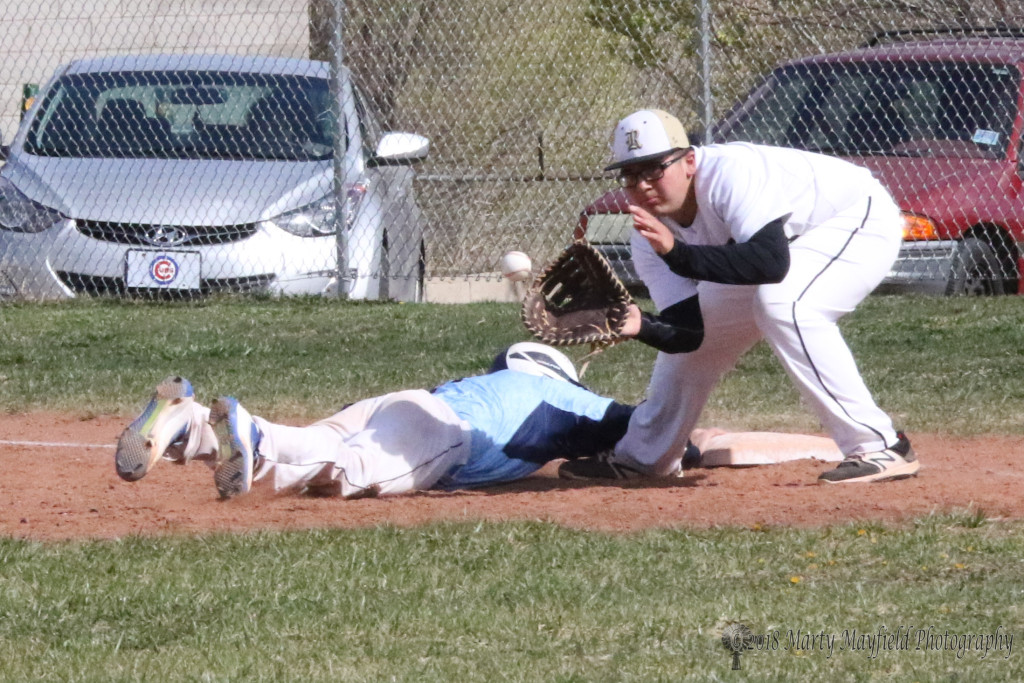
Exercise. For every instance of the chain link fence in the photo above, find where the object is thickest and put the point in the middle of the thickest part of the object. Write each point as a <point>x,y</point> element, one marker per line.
<point>374,150</point>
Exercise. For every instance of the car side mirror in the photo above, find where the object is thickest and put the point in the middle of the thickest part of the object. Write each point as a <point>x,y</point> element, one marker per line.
<point>399,149</point>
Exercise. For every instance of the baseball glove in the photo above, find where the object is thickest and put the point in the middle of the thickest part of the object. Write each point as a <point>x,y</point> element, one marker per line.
<point>577,299</point>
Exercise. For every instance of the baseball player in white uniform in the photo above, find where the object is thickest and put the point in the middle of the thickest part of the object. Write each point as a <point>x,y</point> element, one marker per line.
<point>738,242</point>
<point>498,427</point>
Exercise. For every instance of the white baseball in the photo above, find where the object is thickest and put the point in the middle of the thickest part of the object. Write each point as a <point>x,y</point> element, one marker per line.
<point>516,266</point>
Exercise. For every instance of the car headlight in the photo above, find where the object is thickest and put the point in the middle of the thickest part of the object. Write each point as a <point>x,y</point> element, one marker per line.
<point>18,213</point>
<point>317,219</point>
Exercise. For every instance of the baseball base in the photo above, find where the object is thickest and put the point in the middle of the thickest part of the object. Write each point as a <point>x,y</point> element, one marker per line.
<point>740,449</point>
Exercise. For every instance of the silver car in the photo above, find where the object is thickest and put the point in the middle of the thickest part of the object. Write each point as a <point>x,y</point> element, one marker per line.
<point>187,175</point>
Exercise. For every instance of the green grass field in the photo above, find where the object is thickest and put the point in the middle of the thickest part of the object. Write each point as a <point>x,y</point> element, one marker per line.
<point>516,602</point>
<point>938,365</point>
<point>513,601</point>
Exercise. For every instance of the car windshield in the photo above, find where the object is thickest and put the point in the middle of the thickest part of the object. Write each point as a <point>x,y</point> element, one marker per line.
<point>935,109</point>
<point>185,115</point>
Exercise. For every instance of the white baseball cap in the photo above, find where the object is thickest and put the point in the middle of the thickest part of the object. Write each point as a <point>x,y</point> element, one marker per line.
<point>646,135</point>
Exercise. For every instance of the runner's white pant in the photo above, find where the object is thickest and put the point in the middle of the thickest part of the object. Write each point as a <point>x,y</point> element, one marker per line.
<point>832,268</point>
<point>201,442</point>
<point>396,443</point>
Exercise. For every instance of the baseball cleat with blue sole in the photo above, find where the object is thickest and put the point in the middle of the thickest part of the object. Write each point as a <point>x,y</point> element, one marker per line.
<point>163,422</point>
<point>233,476</point>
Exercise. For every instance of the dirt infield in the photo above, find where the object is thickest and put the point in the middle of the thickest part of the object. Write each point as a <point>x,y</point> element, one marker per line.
<point>57,490</point>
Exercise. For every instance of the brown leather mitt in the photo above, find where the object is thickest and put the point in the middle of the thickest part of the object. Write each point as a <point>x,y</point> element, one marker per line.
<point>577,299</point>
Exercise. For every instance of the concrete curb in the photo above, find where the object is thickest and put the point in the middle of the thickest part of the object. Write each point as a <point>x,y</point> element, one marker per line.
<point>472,288</point>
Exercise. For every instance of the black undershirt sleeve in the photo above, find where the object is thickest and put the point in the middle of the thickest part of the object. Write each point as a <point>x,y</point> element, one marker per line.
<point>678,329</point>
<point>764,258</point>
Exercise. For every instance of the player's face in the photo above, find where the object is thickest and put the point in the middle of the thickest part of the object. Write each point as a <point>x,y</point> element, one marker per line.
<point>661,186</point>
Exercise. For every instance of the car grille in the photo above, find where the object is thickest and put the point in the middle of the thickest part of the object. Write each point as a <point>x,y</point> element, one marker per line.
<point>95,285</point>
<point>142,233</point>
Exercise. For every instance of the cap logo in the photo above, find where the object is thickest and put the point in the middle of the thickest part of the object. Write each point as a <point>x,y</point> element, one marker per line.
<point>633,140</point>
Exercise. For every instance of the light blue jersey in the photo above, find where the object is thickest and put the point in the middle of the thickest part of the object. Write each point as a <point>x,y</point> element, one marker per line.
<point>522,421</point>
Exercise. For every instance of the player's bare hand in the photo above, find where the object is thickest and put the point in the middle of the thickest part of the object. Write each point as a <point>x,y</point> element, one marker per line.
<point>632,326</point>
<point>653,230</point>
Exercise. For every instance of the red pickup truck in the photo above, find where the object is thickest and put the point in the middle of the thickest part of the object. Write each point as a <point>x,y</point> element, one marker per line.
<point>936,115</point>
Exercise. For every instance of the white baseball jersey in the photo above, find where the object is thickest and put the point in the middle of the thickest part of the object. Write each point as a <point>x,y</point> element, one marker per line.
<point>741,188</point>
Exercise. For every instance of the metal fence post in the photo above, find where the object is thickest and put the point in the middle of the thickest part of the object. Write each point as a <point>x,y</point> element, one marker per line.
<point>705,62</point>
<point>337,44</point>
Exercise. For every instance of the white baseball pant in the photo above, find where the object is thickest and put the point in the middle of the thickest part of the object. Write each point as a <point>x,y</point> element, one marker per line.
<point>396,443</point>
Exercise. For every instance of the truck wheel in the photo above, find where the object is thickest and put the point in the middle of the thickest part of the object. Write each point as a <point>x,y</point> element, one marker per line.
<point>976,271</point>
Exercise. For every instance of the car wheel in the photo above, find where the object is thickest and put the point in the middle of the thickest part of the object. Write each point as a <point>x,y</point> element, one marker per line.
<point>976,271</point>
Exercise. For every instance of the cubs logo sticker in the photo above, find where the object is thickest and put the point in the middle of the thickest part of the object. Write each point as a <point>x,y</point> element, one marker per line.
<point>633,140</point>
<point>163,269</point>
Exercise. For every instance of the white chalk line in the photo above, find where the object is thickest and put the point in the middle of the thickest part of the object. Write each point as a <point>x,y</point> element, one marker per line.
<point>55,444</point>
